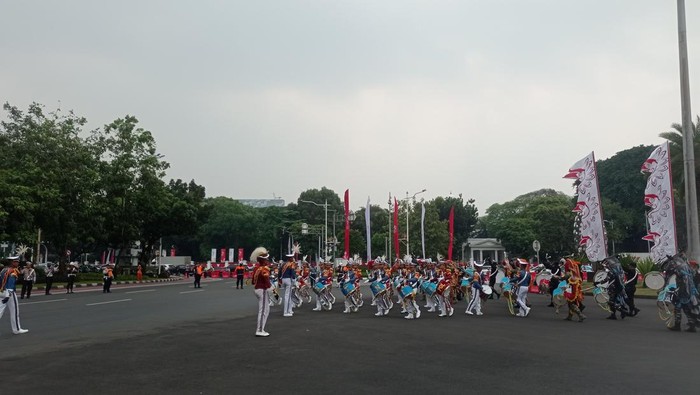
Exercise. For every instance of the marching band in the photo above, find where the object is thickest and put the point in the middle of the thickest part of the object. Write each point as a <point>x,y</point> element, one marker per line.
<point>443,284</point>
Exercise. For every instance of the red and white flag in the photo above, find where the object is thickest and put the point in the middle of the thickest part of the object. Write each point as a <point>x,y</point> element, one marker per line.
<point>588,209</point>
<point>658,196</point>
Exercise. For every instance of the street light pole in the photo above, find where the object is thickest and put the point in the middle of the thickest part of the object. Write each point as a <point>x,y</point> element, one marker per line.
<point>408,250</point>
<point>691,199</point>
<point>325,207</point>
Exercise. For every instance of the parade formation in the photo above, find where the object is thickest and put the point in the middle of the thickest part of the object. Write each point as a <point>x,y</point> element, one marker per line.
<point>442,286</point>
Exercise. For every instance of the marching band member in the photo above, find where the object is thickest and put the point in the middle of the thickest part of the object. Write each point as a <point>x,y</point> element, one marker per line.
<point>286,275</point>
<point>8,284</point>
<point>261,282</point>
<point>631,274</point>
<point>474,306</point>
<point>431,276</point>
<point>523,282</point>
<point>574,291</point>
<point>444,301</point>
<point>616,289</point>
<point>685,299</point>
<point>412,306</point>
<point>326,277</point>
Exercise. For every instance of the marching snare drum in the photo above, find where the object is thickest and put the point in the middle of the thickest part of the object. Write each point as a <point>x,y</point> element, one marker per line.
<point>486,290</point>
<point>377,287</point>
<point>347,288</point>
<point>428,288</point>
<point>406,291</point>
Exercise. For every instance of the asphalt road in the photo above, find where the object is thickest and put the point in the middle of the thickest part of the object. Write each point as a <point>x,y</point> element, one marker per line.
<point>172,338</point>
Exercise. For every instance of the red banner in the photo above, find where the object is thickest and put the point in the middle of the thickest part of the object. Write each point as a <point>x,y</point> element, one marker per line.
<point>396,227</point>
<point>452,233</point>
<point>223,255</point>
<point>346,255</point>
<point>240,254</point>
<point>172,251</point>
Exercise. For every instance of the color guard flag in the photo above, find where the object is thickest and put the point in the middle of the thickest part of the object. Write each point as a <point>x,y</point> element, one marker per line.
<point>658,196</point>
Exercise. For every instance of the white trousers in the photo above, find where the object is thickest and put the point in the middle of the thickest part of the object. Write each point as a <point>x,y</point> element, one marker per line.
<point>13,307</point>
<point>522,298</point>
<point>475,302</point>
<point>287,284</point>
<point>263,308</point>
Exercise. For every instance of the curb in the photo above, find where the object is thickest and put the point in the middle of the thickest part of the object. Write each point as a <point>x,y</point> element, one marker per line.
<point>86,285</point>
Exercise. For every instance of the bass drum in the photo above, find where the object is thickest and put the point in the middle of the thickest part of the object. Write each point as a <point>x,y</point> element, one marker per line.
<point>654,280</point>
<point>600,278</point>
<point>498,285</point>
<point>543,276</point>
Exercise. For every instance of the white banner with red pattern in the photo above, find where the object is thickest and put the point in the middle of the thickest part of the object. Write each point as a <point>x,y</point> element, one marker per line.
<point>589,213</point>
<point>658,196</point>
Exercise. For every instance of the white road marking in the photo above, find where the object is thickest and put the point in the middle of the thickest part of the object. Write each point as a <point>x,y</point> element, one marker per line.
<point>189,292</point>
<point>111,301</point>
<point>43,301</point>
<point>143,290</point>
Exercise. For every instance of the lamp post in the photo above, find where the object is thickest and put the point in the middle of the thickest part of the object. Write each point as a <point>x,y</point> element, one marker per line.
<point>408,250</point>
<point>325,207</point>
<point>691,199</point>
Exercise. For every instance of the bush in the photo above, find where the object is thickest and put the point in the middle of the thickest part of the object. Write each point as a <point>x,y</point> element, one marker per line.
<point>646,265</point>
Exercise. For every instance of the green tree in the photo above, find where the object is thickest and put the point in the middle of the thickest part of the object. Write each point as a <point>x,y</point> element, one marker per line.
<point>622,184</point>
<point>543,215</point>
<point>48,177</point>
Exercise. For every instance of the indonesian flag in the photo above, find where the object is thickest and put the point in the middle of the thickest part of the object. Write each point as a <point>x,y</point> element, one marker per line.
<point>346,255</point>
<point>452,233</point>
<point>369,231</point>
<point>396,227</point>
<point>658,196</point>
<point>588,209</point>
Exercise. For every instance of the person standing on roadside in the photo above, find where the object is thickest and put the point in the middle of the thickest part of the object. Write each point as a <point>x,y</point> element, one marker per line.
<point>240,273</point>
<point>8,296</point>
<point>108,276</point>
<point>139,273</point>
<point>72,274</point>
<point>29,277</point>
<point>261,282</point>
<point>198,272</point>
<point>50,270</point>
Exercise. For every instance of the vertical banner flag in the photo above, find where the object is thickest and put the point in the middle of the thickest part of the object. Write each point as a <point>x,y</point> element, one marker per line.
<point>422,227</point>
<point>240,255</point>
<point>103,258</point>
<point>346,254</point>
<point>223,255</point>
<point>396,228</point>
<point>452,233</point>
<point>232,255</point>
<point>658,196</point>
<point>172,251</point>
<point>213,255</point>
<point>589,212</point>
<point>369,232</point>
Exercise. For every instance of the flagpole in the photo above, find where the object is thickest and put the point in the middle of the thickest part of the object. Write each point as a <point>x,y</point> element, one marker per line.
<point>691,199</point>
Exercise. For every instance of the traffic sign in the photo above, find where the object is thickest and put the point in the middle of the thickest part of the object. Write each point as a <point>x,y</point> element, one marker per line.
<point>536,246</point>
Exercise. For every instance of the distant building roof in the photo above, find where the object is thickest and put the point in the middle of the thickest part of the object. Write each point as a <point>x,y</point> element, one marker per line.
<point>260,203</point>
<point>484,243</point>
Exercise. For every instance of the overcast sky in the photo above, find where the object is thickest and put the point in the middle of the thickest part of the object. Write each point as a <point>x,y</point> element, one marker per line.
<point>489,98</point>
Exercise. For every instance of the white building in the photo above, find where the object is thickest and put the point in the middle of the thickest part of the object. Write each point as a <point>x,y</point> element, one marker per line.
<point>479,249</point>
